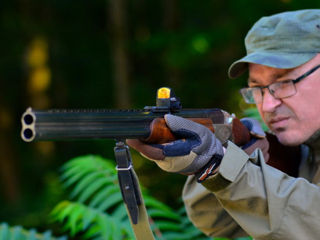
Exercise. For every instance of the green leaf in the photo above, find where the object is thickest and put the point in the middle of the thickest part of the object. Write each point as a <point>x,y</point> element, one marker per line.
<point>83,183</point>
<point>4,231</point>
<point>76,212</point>
<point>65,211</point>
<point>88,218</point>
<point>47,235</point>
<point>127,229</point>
<point>93,231</point>
<point>163,214</point>
<point>151,202</point>
<point>89,163</point>
<point>106,226</point>
<point>17,233</point>
<point>75,219</point>
<point>110,201</point>
<point>32,235</point>
<point>92,188</point>
<point>165,225</point>
<point>103,194</point>
<point>71,179</point>
<point>59,208</point>
<point>116,234</point>
<point>176,235</point>
<point>120,212</point>
<point>69,169</point>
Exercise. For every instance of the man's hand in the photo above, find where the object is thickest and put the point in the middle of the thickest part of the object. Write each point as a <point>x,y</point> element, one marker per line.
<point>197,150</point>
<point>258,138</point>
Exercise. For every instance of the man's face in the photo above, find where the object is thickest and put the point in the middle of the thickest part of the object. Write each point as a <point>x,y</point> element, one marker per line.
<point>293,119</point>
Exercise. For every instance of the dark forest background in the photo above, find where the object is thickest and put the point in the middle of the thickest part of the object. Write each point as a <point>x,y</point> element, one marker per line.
<point>110,54</point>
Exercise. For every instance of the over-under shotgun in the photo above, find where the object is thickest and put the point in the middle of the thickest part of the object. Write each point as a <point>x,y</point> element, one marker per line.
<point>146,124</point>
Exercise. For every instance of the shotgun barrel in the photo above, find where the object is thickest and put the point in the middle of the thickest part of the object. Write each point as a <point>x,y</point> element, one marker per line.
<point>113,124</point>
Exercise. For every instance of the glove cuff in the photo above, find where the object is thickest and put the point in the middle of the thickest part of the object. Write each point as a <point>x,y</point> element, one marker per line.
<point>209,169</point>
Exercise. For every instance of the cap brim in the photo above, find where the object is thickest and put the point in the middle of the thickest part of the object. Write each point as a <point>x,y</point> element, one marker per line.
<point>276,60</point>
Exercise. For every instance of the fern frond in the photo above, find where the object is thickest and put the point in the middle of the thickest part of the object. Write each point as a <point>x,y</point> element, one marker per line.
<point>93,186</point>
<point>79,218</point>
<point>83,172</point>
<point>95,182</point>
<point>160,213</point>
<point>102,213</point>
<point>19,233</point>
<point>110,201</point>
<point>154,203</point>
<point>77,167</point>
<point>120,212</point>
<point>73,215</point>
<point>102,195</point>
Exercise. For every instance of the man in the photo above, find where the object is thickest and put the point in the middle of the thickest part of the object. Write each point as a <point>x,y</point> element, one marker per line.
<point>232,194</point>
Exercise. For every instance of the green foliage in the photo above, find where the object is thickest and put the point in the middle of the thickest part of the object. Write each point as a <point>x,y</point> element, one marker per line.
<point>79,218</point>
<point>19,233</point>
<point>97,210</point>
<point>253,113</point>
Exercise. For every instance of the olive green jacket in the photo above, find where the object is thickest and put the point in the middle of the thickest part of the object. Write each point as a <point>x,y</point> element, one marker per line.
<point>249,197</point>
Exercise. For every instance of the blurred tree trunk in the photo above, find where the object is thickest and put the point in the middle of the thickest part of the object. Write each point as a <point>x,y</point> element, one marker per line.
<point>119,34</point>
<point>170,22</point>
<point>8,161</point>
<point>170,15</point>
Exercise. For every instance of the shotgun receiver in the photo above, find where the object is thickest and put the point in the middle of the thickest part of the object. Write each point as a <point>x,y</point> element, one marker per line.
<point>146,124</point>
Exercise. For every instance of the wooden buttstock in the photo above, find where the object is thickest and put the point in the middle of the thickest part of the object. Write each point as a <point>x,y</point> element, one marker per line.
<point>160,133</point>
<point>240,133</point>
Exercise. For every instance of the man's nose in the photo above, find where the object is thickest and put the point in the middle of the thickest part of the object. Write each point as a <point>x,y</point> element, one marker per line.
<point>269,102</point>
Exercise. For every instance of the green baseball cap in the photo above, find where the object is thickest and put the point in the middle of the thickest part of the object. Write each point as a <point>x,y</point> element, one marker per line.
<point>284,40</point>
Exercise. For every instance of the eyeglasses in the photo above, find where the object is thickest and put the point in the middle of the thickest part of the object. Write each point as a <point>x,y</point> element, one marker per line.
<point>278,90</point>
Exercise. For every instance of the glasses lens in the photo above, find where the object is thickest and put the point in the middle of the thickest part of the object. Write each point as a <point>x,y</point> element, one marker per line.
<point>251,95</point>
<point>282,89</point>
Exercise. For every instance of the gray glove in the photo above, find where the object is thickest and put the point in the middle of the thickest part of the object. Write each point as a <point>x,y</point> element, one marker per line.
<point>197,150</point>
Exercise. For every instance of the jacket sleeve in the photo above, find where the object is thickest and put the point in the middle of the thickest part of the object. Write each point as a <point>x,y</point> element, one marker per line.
<point>265,202</point>
<point>206,213</point>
